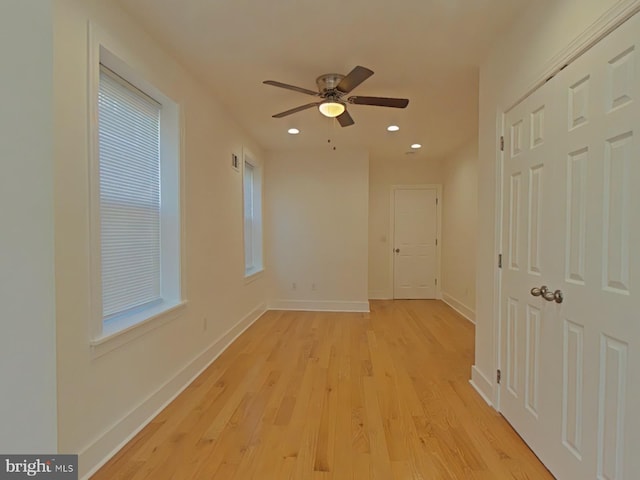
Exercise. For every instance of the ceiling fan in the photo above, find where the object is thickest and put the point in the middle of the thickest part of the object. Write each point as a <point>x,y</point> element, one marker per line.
<point>332,88</point>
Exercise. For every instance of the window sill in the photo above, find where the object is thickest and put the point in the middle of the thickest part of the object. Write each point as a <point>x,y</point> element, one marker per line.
<point>124,330</point>
<point>253,274</point>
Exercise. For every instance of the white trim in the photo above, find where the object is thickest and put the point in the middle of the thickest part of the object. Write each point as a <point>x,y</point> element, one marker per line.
<point>95,279</point>
<point>482,385</point>
<point>497,245</point>
<point>459,307</point>
<point>608,21</point>
<point>182,204</point>
<point>380,295</point>
<point>319,306</point>
<point>392,216</point>
<point>98,452</point>
<point>605,24</point>
<point>122,335</point>
<point>253,276</point>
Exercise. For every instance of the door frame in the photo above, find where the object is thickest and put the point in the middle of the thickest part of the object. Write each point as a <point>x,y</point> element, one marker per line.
<point>612,19</point>
<point>392,217</point>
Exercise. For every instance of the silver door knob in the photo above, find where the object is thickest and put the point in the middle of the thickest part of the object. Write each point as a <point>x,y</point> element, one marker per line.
<point>536,292</point>
<point>558,297</point>
<point>547,294</point>
<point>397,250</point>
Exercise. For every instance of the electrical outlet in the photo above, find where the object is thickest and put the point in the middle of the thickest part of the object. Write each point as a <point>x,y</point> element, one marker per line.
<point>294,286</point>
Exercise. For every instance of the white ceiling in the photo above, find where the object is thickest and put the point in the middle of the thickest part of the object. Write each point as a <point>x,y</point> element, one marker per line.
<point>425,50</point>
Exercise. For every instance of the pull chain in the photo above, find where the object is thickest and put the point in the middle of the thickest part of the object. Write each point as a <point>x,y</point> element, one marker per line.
<point>332,128</point>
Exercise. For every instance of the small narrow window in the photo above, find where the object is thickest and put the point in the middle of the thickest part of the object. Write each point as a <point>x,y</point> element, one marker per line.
<point>252,180</point>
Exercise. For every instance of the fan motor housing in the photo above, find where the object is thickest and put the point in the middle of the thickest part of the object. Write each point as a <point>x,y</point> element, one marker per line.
<point>328,82</point>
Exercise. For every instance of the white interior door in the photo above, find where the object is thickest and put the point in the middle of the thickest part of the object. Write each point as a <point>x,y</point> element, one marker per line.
<point>530,207</point>
<point>415,242</point>
<point>571,217</point>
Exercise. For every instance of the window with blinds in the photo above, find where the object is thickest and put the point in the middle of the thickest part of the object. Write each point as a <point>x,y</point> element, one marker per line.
<point>130,196</point>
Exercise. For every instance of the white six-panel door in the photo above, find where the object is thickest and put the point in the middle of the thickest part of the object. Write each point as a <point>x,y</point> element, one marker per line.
<point>414,242</point>
<point>529,256</point>
<point>571,221</point>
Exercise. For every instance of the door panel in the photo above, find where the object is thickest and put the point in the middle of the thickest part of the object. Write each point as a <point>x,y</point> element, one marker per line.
<point>572,391</point>
<point>415,233</point>
<point>571,174</point>
<point>528,173</point>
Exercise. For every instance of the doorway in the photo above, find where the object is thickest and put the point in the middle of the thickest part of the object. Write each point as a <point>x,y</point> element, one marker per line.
<point>415,255</point>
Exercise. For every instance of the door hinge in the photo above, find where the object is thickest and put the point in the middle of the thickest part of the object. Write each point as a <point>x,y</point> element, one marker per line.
<point>500,260</point>
<point>436,200</point>
<point>498,375</point>
<point>502,143</point>
<point>436,242</point>
<point>436,280</point>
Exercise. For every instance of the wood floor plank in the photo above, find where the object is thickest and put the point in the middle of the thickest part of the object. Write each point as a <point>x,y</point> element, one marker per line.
<point>335,396</point>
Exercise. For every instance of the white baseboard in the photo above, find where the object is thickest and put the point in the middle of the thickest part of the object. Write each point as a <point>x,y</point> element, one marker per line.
<point>459,307</point>
<point>111,441</point>
<point>319,306</point>
<point>380,295</point>
<point>482,385</point>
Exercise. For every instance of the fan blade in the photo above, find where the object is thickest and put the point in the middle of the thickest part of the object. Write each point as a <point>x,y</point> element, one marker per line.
<point>380,101</point>
<point>344,119</point>
<point>290,87</point>
<point>296,110</point>
<point>353,79</point>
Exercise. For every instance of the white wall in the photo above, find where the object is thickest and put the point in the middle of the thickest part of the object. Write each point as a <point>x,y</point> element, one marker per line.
<point>27,303</point>
<point>383,173</point>
<point>459,229</point>
<point>519,57</point>
<point>316,214</point>
<point>103,400</point>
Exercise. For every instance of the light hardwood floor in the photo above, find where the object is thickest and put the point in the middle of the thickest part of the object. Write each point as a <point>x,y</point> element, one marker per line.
<point>336,396</point>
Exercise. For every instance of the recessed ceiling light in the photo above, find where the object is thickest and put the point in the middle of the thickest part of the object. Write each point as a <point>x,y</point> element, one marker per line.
<point>393,128</point>
<point>293,131</point>
<point>416,146</point>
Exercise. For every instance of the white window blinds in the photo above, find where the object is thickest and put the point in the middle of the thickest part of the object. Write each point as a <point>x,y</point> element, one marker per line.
<point>129,145</point>
<point>248,216</point>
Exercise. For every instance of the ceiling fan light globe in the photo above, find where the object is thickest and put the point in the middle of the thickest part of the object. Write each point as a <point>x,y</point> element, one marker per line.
<point>331,109</point>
